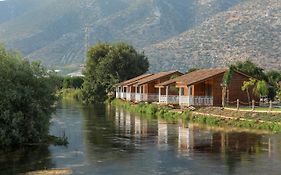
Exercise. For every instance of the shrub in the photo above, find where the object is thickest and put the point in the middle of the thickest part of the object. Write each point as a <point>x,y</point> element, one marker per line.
<point>26,100</point>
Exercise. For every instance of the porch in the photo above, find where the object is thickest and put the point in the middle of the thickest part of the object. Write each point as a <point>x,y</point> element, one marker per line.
<point>144,97</point>
<point>200,94</point>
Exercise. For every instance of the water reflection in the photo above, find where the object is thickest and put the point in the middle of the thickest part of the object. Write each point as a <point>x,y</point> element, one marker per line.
<point>108,140</point>
<point>132,132</point>
<point>25,160</point>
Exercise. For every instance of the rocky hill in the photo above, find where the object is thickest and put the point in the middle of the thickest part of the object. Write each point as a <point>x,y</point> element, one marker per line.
<point>250,30</point>
<point>58,31</point>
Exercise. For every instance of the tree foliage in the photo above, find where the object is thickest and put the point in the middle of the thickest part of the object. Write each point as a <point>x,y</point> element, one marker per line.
<point>26,98</point>
<point>250,69</point>
<point>267,83</point>
<point>73,82</point>
<point>108,64</point>
<point>261,88</point>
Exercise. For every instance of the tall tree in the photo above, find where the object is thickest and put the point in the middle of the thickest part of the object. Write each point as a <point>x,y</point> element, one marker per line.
<point>108,64</point>
<point>250,69</point>
<point>27,96</point>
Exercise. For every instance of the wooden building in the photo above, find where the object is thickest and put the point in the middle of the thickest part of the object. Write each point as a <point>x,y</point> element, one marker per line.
<point>126,90</point>
<point>204,88</point>
<point>145,88</point>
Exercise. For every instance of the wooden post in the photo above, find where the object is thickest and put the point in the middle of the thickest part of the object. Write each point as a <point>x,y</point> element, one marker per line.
<point>136,92</point>
<point>253,105</point>
<point>223,96</point>
<point>167,93</point>
<point>159,95</point>
<point>238,104</point>
<point>270,105</point>
<point>141,93</point>
<point>227,97</point>
<point>180,92</point>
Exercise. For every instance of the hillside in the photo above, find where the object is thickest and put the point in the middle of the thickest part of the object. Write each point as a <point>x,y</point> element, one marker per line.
<point>54,30</point>
<point>250,30</point>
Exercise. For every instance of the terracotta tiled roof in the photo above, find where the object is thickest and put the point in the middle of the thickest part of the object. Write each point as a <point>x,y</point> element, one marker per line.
<point>133,80</point>
<point>156,76</point>
<point>195,76</point>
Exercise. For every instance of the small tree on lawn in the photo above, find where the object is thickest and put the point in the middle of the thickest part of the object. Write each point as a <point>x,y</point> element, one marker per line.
<point>261,89</point>
<point>247,85</point>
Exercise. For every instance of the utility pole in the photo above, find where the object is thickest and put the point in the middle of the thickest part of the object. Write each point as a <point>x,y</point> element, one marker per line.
<point>87,38</point>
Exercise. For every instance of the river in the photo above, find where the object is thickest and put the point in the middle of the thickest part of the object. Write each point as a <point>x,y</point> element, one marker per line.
<point>104,140</point>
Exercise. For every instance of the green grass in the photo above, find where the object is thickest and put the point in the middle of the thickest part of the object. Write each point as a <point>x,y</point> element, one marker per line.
<point>70,94</point>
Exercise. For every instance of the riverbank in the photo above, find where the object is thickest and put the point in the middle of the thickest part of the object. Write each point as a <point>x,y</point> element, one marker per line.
<point>211,116</point>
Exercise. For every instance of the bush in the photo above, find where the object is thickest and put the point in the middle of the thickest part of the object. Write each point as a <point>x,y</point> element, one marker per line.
<point>27,97</point>
<point>73,82</point>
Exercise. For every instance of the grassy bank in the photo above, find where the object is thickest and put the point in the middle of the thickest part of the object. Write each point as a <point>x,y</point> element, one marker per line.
<point>208,116</point>
<point>70,93</point>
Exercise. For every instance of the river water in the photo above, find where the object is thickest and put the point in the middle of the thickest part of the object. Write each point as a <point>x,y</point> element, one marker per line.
<point>104,140</point>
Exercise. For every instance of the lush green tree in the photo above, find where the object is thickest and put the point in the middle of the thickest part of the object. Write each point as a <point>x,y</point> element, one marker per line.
<point>250,69</point>
<point>108,64</point>
<point>228,76</point>
<point>247,85</point>
<point>261,88</point>
<point>273,78</point>
<point>27,97</point>
<point>73,82</point>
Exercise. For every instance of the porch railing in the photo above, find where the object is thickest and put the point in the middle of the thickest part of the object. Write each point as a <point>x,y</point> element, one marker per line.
<point>123,95</point>
<point>186,100</point>
<point>196,100</point>
<point>150,97</point>
<point>117,94</point>
<point>163,99</point>
<point>139,97</point>
<point>130,96</point>
<point>170,99</point>
<point>203,101</point>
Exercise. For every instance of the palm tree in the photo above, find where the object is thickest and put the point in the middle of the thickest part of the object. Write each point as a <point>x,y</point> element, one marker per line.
<point>247,85</point>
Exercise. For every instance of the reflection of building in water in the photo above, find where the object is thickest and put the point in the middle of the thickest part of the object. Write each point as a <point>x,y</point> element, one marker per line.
<point>137,126</point>
<point>144,128</point>
<point>128,123</point>
<point>162,132</point>
<point>186,138</point>
<point>117,118</point>
<point>173,133</point>
<point>122,120</point>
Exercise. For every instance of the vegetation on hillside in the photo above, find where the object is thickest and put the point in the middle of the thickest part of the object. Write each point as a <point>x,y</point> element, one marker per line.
<point>106,65</point>
<point>27,97</point>
<point>250,30</point>
<point>54,30</point>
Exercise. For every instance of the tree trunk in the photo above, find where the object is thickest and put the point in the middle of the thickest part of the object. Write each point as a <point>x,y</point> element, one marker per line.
<point>248,95</point>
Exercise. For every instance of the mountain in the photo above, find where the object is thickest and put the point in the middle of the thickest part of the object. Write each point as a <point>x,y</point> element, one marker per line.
<point>175,34</point>
<point>55,31</point>
<point>250,30</point>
